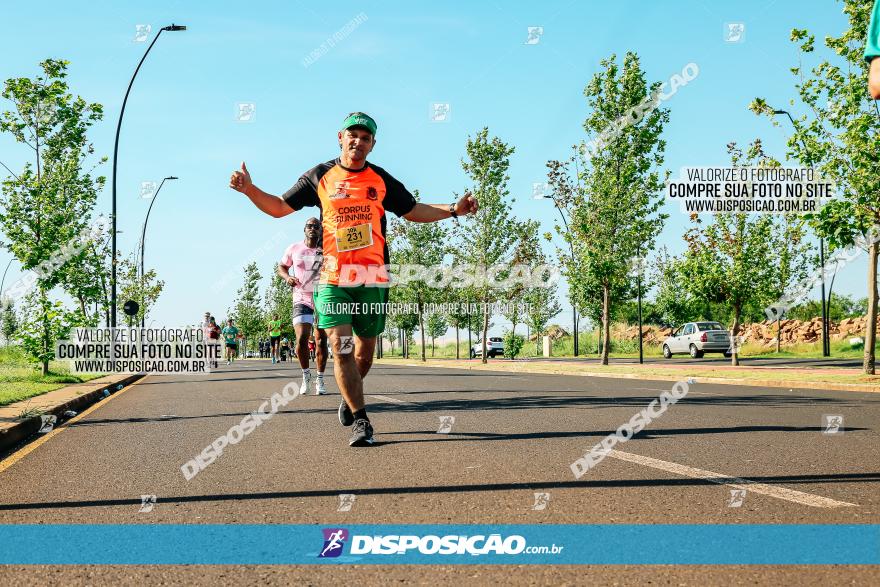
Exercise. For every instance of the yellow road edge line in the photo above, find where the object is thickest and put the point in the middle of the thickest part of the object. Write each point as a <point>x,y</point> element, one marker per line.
<point>32,446</point>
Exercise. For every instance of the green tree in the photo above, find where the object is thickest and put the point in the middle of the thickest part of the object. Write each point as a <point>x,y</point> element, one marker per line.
<point>728,261</point>
<point>8,320</point>
<point>487,238</point>
<point>422,244</point>
<point>513,344</point>
<point>44,320</point>
<point>405,322</point>
<point>49,203</point>
<point>248,312</point>
<point>794,261</point>
<point>541,305</point>
<point>457,318</point>
<point>674,303</point>
<point>279,300</point>
<point>839,307</point>
<point>88,279</point>
<point>615,211</point>
<point>144,291</point>
<point>437,326</point>
<point>458,299</point>
<point>390,334</point>
<point>840,137</point>
<point>527,254</point>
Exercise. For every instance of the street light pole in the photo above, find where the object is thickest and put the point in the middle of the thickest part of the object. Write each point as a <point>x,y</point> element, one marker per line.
<point>171,27</point>
<point>639,283</point>
<point>571,250</point>
<point>144,238</point>
<point>826,343</point>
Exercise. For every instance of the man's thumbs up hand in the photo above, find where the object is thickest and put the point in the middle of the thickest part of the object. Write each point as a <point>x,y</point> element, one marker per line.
<point>240,180</point>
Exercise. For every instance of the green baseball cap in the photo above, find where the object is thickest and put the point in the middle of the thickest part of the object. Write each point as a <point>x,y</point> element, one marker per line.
<point>359,119</point>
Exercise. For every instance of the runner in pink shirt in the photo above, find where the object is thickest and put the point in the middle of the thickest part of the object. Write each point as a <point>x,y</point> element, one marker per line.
<point>300,267</point>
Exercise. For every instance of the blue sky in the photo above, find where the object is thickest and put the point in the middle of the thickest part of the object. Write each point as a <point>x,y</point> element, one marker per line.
<point>180,119</point>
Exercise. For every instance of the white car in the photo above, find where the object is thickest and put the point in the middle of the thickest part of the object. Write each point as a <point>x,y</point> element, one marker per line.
<point>494,347</point>
<point>696,338</point>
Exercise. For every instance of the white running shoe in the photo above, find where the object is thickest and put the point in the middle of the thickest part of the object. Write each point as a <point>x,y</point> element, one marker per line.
<point>319,386</point>
<point>304,388</point>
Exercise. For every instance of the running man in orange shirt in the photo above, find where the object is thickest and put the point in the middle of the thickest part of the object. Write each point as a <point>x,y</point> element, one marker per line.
<point>353,196</point>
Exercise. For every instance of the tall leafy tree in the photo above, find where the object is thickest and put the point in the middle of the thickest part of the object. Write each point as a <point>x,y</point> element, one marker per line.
<point>615,213</point>
<point>459,298</point>
<point>542,305</point>
<point>45,319</point>
<point>487,237</point>
<point>794,258</point>
<point>144,291</point>
<point>731,259</point>
<point>437,326</point>
<point>527,254</point>
<point>8,320</point>
<point>423,244</point>
<point>278,300</point>
<point>248,312</point>
<point>50,201</point>
<point>840,136</point>
<point>674,304</point>
<point>390,334</point>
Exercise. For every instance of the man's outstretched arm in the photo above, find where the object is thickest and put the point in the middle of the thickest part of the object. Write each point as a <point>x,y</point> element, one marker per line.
<point>434,212</point>
<point>271,205</point>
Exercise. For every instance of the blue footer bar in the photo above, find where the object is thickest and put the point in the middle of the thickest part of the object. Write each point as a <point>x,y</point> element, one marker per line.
<point>440,544</point>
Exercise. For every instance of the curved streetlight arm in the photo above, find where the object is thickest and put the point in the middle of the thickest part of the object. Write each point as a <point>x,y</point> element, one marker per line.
<point>115,166</point>
<point>147,219</point>
<point>143,238</point>
<point>171,27</point>
<point>3,281</point>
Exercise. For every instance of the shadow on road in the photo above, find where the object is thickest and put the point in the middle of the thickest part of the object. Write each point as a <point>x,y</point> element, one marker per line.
<point>644,435</point>
<point>482,487</point>
<point>532,402</point>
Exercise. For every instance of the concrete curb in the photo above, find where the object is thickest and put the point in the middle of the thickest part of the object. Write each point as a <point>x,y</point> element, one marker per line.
<point>19,432</point>
<point>817,385</point>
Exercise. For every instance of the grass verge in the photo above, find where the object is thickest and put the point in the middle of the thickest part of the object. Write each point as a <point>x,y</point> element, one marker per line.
<point>20,379</point>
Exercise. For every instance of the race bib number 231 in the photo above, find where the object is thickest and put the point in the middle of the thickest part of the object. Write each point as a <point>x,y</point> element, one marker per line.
<point>354,237</point>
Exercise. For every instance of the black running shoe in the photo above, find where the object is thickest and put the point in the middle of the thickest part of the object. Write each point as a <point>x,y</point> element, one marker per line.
<point>361,434</point>
<point>346,418</point>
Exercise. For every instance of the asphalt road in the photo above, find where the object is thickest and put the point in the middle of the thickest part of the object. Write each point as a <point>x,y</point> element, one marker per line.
<point>513,435</point>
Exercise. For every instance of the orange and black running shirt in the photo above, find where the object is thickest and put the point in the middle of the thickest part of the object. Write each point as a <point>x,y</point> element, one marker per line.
<point>353,204</point>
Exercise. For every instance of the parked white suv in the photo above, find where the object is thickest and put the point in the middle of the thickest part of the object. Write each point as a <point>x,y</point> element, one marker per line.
<point>696,338</point>
<point>494,347</point>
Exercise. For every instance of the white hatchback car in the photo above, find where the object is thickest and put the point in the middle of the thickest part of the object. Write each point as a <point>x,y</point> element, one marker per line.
<point>696,338</point>
<point>494,347</point>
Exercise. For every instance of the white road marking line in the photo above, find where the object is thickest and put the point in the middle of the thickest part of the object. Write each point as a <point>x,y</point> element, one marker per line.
<point>393,400</point>
<point>730,395</point>
<point>753,486</point>
<point>658,391</point>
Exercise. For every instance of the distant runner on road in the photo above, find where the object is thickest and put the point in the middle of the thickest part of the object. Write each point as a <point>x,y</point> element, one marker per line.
<point>353,196</point>
<point>275,337</point>
<point>214,338</point>
<point>305,259</point>
<point>230,334</point>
